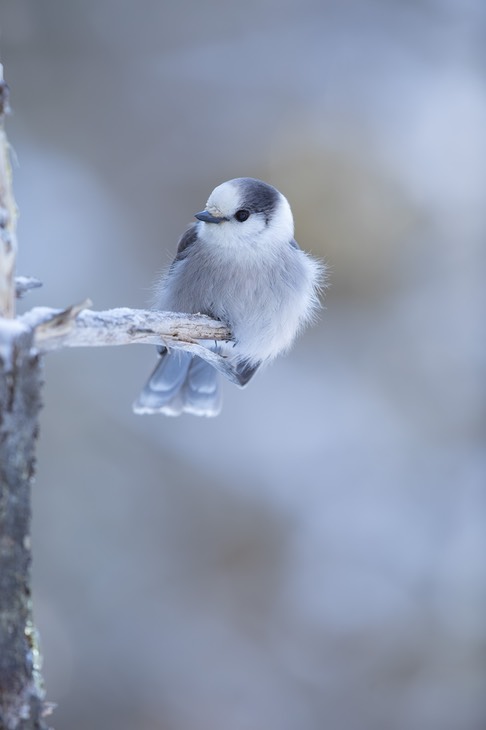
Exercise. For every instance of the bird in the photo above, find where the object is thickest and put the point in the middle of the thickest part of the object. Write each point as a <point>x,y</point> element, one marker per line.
<point>239,263</point>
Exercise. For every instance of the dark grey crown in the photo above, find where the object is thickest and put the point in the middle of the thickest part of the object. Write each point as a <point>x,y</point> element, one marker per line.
<point>257,196</point>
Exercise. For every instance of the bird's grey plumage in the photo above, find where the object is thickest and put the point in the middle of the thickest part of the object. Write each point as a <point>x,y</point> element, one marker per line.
<point>241,264</point>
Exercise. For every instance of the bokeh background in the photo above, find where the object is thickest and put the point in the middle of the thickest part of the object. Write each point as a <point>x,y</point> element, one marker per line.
<point>315,557</point>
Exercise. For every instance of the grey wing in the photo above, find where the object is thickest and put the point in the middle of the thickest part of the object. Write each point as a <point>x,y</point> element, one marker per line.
<point>188,239</point>
<point>164,294</point>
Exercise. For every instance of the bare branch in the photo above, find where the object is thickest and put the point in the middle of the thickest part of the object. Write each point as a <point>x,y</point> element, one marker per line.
<point>79,327</point>
<point>8,215</point>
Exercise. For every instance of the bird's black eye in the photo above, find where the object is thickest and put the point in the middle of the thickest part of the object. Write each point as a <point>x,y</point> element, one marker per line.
<point>242,215</point>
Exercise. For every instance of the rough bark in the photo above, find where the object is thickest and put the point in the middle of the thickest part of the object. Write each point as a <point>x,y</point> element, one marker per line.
<point>21,694</point>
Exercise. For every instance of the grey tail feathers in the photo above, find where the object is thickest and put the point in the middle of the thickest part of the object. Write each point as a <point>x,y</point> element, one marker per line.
<point>181,383</point>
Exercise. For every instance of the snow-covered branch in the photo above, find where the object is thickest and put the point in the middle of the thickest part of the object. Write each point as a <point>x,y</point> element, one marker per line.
<point>80,327</point>
<point>24,284</point>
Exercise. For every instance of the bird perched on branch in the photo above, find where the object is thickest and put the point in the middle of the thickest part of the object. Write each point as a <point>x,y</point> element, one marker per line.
<point>238,263</point>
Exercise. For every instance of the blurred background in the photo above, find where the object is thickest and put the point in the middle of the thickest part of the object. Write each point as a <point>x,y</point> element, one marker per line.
<point>315,557</point>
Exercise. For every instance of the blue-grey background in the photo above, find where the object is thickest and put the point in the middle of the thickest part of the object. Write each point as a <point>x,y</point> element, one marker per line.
<point>315,557</point>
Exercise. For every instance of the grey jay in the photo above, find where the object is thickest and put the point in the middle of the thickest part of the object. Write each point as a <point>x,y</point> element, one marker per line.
<point>238,263</point>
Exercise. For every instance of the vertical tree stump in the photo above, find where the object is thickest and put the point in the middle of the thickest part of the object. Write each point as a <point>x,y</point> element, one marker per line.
<point>21,692</point>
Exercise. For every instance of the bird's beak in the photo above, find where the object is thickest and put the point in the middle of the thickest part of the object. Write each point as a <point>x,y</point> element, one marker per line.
<point>208,218</point>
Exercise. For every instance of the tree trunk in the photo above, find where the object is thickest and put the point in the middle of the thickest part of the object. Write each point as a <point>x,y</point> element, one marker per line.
<point>21,692</point>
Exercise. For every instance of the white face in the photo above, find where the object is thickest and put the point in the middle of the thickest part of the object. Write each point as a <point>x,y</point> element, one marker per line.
<point>224,200</point>
<point>243,225</point>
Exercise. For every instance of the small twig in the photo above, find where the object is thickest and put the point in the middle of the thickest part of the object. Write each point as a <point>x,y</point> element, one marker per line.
<point>59,323</point>
<point>24,284</point>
